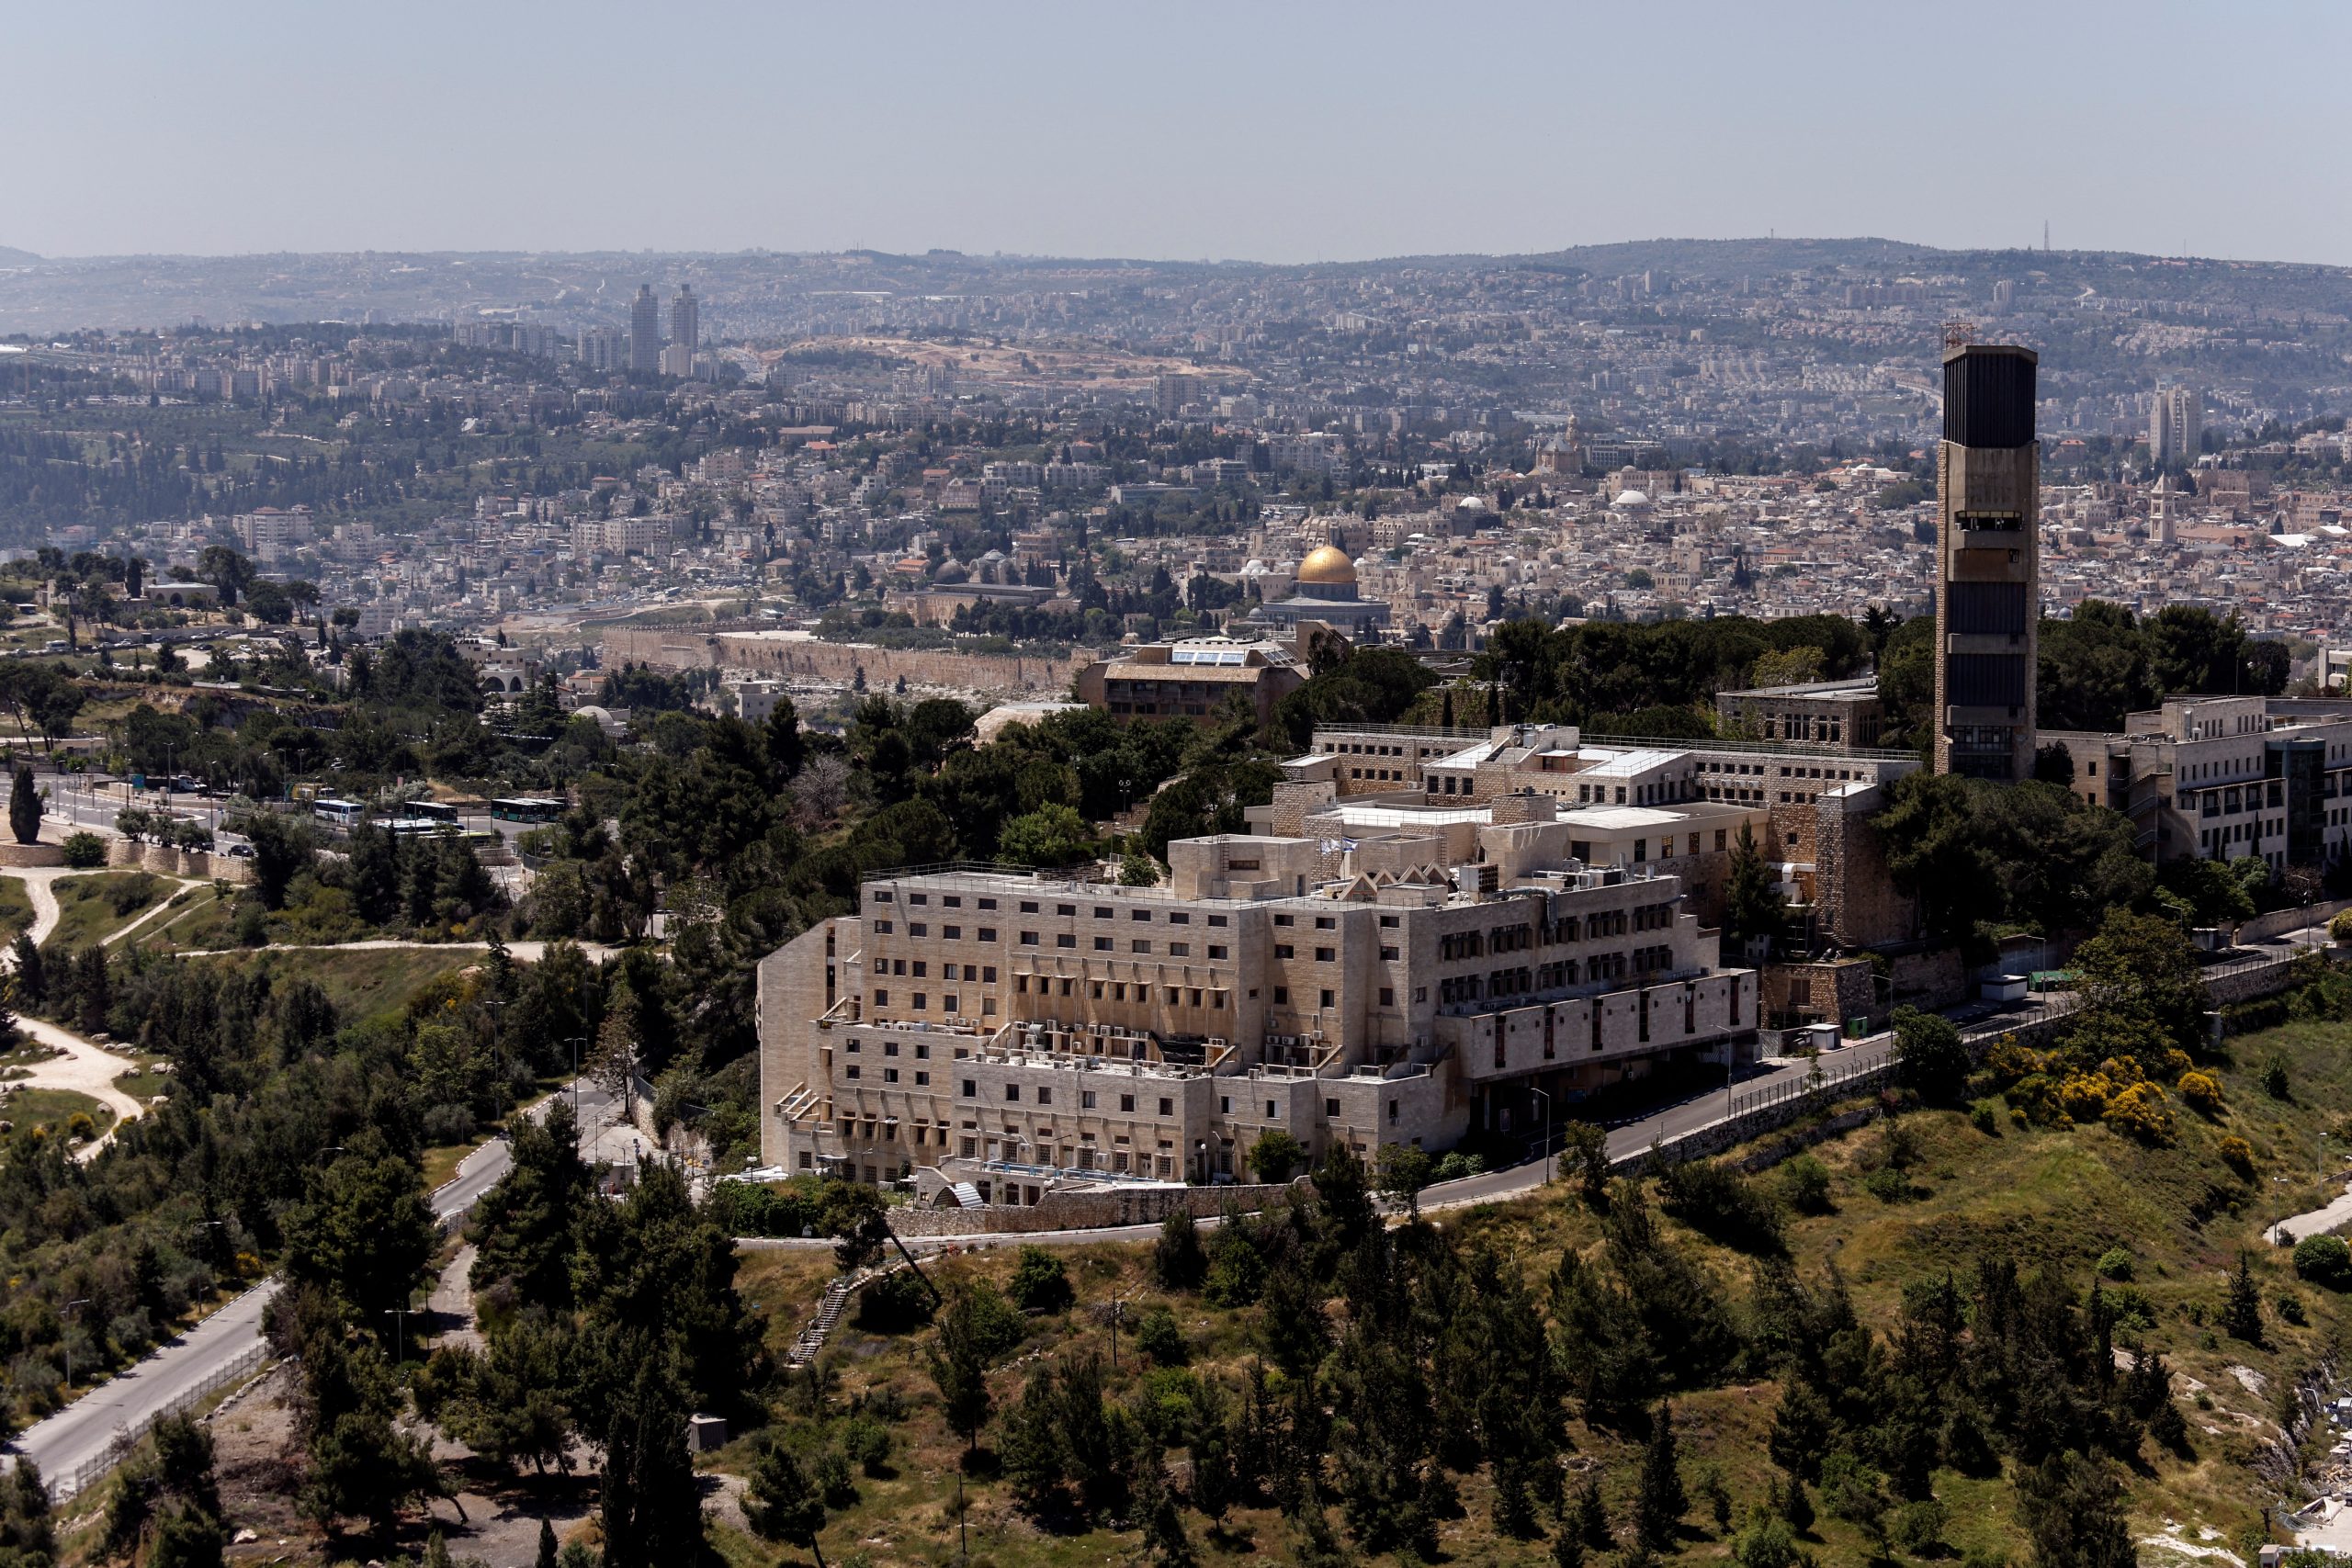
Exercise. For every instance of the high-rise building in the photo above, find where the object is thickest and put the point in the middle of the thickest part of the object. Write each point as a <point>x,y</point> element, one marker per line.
<point>685,319</point>
<point>602,348</point>
<point>2176,426</point>
<point>645,331</point>
<point>1988,563</point>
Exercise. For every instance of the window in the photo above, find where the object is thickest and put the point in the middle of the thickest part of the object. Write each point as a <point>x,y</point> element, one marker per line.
<point>1012,1093</point>
<point>1065,939</point>
<point>1282,993</point>
<point>889,1075</point>
<point>1282,920</point>
<point>951,933</point>
<point>1102,913</point>
<point>882,928</point>
<point>1128,1103</point>
<point>1216,952</point>
<point>1330,1108</point>
<point>922,1080</point>
<point>1389,955</point>
<point>987,903</point>
<point>1028,906</point>
<point>918,899</point>
<point>1044,1095</point>
<point>1387,922</point>
<point>1325,954</point>
<point>1218,921</point>
<point>919,968</point>
<point>921,1003</point>
<point>1166,1107</point>
<point>1325,923</point>
<point>1139,945</point>
<point>1028,938</point>
<point>1101,944</point>
<point>850,1071</point>
<point>882,895</point>
<point>1180,949</point>
<point>1270,1111</point>
<point>1327,998</point>
<point>1086,1100</point>
<point>916,928</point>
<point>1388,996</point>
<point>1139,914</point>
<point>881,998</point>
<point>971,1089</point>
<point>1178,918</point>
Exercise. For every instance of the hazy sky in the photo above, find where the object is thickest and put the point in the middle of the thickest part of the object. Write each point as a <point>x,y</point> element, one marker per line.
<point>1274,131</point>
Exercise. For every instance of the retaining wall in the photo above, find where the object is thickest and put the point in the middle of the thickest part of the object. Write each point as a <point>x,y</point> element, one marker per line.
<point>1090,1211</point>
<point>163,859</point>
<point>32,854</point>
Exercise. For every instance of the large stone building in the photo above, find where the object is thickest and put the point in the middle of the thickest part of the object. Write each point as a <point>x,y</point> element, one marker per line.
<point>1190,678</point>
<point>1022,1032</point>
<point>2226,778</point>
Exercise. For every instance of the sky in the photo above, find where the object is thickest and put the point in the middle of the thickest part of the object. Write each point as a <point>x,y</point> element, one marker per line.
<point>1282,130</point>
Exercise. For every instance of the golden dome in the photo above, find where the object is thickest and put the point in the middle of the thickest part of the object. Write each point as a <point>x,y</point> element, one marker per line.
<point>1329,564</point>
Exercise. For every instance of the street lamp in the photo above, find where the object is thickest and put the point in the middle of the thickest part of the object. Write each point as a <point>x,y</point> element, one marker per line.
<point>399,1316</point>
<point>67,1339</point>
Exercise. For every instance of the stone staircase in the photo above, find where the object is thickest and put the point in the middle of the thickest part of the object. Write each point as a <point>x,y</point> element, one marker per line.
<point>829,1313</point>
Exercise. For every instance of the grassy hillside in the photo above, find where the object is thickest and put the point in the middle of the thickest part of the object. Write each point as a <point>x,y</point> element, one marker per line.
<point>2164,1223</point>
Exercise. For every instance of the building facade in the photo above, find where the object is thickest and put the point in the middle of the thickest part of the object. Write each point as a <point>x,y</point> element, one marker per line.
<point>1988,558</point>
<point>645,332</point>
<point>1025,1032</point>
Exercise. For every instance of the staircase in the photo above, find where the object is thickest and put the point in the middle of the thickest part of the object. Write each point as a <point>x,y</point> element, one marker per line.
<point>829,1313</point>
<point>967,1195</point>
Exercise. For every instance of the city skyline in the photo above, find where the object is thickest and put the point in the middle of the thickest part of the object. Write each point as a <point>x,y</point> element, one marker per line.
<point>1521,130</point>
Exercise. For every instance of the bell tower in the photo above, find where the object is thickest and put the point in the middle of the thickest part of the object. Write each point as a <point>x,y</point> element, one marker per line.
<point>1988,563</point>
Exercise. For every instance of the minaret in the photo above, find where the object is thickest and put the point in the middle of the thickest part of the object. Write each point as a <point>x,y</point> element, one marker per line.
<point>1988,563</point>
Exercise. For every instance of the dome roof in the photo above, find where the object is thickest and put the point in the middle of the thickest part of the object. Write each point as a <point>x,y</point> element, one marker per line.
<point>1328,564</point>
<point>1630,498</point>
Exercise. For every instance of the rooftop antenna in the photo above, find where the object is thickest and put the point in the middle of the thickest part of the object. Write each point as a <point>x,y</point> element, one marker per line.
<point>2045,236</point>
<point>1959,334</point>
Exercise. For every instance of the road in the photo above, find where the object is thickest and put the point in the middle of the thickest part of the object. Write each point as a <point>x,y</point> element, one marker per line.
<point>183,1368</point>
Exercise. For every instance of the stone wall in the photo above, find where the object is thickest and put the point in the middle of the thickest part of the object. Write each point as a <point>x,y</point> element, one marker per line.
<point>203,865</point>
<point>2278,923</point>
<point>1860,906</point>
<point>1093,1209</point>
<point>688,648</point>
<point>31,855</point>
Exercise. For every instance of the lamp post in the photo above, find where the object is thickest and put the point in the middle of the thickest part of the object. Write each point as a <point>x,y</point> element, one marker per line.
<point>399,1316</point>
<point>67,1339</point>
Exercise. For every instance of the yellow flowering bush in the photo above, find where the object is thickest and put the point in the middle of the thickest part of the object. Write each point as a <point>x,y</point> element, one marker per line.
<point>2140,1110</point>
<point>2202,1091</point>
<point>2238,1155</point>
<point>2011,1061</point>
<point>2084,1095</point>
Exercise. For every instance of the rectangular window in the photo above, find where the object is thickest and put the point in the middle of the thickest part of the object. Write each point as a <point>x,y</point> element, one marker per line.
<point>881,998</point>
<point>1045,1097</point>
<point>1012,1093</point>
<point>1284,949</point>
<point>1139,945</point>
<point>971,1088</point>
<point>1325,954</point>
<point>1330,1108</point>
<point>1216,952</point>
<point>951,933</point>
<point>882,928</point>
<point>921,1003</point>
<point>1128,1103</point>
<point>1168,1108</point>
<point>1028,938</point>
<point>1101,944</point>
<point>1065,939</point>
<point>1218,921</point>
<point>916,928</point>
<point>1086,1100</point>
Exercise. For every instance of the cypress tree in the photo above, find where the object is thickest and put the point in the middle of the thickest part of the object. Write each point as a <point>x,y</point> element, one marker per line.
<point>547,1555</point>
<point>24,808</point>
<point>2242,1317</point>
<point>1662,1502</point>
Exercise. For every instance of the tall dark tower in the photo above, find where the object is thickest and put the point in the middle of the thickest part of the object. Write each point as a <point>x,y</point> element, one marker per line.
<point>1988,563</point>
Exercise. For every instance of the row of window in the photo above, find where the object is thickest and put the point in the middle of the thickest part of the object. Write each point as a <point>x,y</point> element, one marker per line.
<point>1033,906</point>
<point>984,973</point>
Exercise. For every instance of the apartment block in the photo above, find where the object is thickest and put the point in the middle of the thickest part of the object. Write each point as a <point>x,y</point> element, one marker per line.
<point>1023,1031</point>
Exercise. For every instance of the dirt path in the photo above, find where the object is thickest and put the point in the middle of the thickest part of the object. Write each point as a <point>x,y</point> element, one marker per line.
<point>86,1068</point>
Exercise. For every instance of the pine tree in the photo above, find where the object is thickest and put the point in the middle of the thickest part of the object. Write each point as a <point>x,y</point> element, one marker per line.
<point>781,1503</point>
<point>959,1367</point>
<point>2242,1317</point>
<point>1662,1502</point>
<point>547,1555</point>
<point>1590,1520</point>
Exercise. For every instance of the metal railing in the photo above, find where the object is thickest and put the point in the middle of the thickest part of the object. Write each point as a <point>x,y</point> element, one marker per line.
<point>125,1437</point>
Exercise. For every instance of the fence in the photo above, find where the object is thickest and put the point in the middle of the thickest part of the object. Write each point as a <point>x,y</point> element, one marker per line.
<point>125,1437</point>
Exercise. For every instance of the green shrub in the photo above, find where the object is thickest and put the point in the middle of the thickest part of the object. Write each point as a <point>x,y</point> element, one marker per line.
<point>2325,1260</point>
<point>865,1443</point>
<point>1887,1185</point>
<point>1918,1527</point>
<point>2115,1263</point>
<point>894,1303</point>
<point>1805,1185</point>
<point>1985,1119</point>
<point>1158,1337</point>
<point>84,851</point>
<point>1040,1284</point>
<point>1722,1204</point>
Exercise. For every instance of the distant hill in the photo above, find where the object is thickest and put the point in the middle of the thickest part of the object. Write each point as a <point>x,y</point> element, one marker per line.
<point>10,257</point>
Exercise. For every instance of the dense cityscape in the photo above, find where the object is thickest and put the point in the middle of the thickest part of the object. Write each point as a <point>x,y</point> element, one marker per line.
<point>689,882</point>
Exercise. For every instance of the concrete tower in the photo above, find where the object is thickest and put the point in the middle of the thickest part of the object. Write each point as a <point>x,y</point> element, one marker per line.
<point>1988,564</point>
<point>645,331</point>
<point>685,318</point>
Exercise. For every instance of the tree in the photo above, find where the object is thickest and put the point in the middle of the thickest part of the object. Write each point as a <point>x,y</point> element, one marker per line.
<point>1584,1151</point>
<point>959,1360</point>
<point>526,1228</point>
<point>2073,1510</point>
<point>27,1538</point>
<point>780,1504</point>
<point>1053,835</point>
<point>366,1230</point>
<point>1275,1154</point>
<point>24,808</point>
<point>2242,1314</point>
<point>1930,1058</point>
<point>651,1507</point>
<point>1754,907</point>
<point>1040,1284</point>
<point>1661,1504</point>
<point>1178,1260</point>
<point>547,1552</point>
<point>1403,1170</point>
<point>2142,989</point>
<point>283,847</point>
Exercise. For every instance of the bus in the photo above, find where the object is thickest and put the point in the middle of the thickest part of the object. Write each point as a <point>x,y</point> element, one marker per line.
<point>525,808</point>
<point>431,809</point>
<point>344,815</point>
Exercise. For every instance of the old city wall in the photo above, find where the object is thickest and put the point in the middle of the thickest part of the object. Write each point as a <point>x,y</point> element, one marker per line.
<point>796,659</point>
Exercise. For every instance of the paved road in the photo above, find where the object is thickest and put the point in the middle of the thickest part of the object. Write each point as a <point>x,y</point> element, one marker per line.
<point>84,1429</point>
